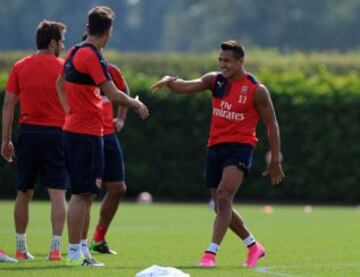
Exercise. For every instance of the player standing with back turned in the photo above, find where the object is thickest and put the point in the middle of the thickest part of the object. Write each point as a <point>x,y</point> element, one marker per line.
<point>40,147</point>
<point>85,74</point>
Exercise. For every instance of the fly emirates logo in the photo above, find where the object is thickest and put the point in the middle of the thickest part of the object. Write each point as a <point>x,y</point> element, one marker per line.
<point>225,112</point>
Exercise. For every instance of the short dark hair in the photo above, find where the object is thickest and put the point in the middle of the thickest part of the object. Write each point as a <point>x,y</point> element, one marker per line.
<point>100,20</point>
<point>47,31</point>
<point>237,48</point>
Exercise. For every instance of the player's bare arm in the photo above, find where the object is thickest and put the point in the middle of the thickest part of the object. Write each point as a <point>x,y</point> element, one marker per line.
<point>61,94</point>
<point>7,147</point>
<point>121,98</point>
<point>266,110</point>
<point>119,120</point>
<point>184,86</point>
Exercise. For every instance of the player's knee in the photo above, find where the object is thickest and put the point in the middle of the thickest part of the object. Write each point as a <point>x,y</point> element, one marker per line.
<point>223,200</point>
<point>24,196</point>
<point>118,190</point>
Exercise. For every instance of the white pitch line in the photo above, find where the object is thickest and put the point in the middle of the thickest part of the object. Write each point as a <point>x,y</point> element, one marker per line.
<point>273,270</point>
<point>270,272</point>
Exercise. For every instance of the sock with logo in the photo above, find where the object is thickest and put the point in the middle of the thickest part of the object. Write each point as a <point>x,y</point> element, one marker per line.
<point>55,243</point>
<point>74,251</point>
<point>21,242</point>
<point>85,248</point>
<point>213,248</point>
<point>250,241</point>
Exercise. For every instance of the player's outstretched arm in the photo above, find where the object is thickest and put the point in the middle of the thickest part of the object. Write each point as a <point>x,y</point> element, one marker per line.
<point>183,86</point>
<point>7,147</point>
<point>266,110</point>
<point>118,97</point>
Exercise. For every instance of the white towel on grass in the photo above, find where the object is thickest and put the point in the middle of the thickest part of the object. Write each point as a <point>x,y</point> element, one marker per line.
<point>160,271</point>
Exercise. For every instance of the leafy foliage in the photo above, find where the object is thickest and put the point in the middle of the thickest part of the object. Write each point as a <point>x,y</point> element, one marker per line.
<point>317,99</point>
<point>160,25</point>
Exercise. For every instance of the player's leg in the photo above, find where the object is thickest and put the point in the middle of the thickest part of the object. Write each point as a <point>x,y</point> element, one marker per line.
<point>21,218</point>
<point>110,204</point>
<point>21,211</point>
<point>77,209</point>
<point>114,181</point>
<point>85,166</point>
<point>54,176</point>
<point>109,207</point>
<point>28,152</point>
<point>58,210</point>
<point>229,184</point>
<point>241,156</point>
<point>237,224</point>
<point>84,241</point>
<point>236,161</point>
<point>224,194</point>
<point>58,215</point>
<point>213,175</point>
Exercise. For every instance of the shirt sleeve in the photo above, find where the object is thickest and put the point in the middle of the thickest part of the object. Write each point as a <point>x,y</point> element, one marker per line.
<point>117,77</point>
<point>96,67</point>
<point>12,84</point>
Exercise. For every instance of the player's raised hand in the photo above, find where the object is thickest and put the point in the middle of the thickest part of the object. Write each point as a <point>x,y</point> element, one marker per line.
<point>274,170</point>
<point>162,83</point>
<point>141,109</point>
<point>7,150</point>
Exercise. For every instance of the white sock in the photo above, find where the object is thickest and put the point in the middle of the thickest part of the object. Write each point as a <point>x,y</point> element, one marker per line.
<point>55,243</point>
<point>213,247</point>
<point>74,251</point>
<point>85,248</point>
<point>21,242</point>
<point>250,240</point>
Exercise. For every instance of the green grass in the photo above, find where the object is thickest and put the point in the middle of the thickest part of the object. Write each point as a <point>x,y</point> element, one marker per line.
<point>325,242</point>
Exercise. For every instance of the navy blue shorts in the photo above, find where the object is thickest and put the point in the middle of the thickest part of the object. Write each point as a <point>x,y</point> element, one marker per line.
<point>85,161</point>
<point>221,155</point>
<point>114,170</point>
<point>40,155</point>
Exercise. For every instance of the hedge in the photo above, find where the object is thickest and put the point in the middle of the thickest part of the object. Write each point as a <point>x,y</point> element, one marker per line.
<point>318,109</point>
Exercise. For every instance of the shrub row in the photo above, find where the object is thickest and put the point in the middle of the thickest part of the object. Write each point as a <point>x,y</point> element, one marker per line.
<point>318,110</point>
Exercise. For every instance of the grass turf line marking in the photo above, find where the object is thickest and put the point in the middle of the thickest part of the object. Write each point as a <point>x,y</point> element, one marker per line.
<point>272,270</point>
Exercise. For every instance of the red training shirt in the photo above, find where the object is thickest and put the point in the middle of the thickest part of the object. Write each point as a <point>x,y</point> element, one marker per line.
<point>234,116</point>
<point>84,100</point>
<point>33,80</point>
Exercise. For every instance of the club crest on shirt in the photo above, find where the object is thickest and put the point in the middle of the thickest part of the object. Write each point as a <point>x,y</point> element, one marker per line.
<point>244,89</point>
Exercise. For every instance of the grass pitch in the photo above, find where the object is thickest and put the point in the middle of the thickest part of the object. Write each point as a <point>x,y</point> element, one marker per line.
<point>325,242</point>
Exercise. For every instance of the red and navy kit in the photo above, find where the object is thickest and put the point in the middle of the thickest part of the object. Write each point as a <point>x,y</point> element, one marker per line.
<point>114,169</point>
<point>234,116</point>
<point>233,127</point>
<point>33,80</point>
<point>108,113</point>
<point>84,70</point>
<point>40,153</point>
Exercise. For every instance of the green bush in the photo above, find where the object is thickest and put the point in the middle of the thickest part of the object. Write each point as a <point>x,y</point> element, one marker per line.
<point>318,109</point>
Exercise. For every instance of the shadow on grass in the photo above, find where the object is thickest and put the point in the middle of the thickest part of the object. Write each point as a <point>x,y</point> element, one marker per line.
<point>20,266</point>
<point>182,267</point>
<point>15,266</point>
